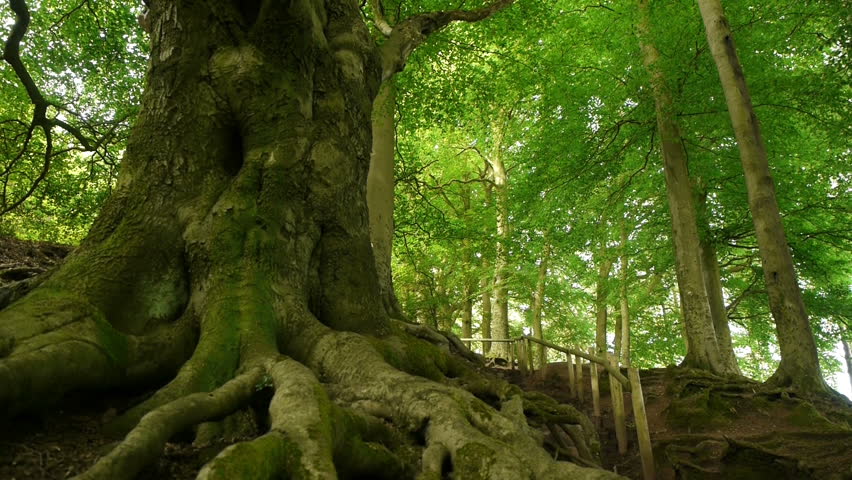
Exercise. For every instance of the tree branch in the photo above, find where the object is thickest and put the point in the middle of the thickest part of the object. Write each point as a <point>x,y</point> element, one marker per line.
<point>409,34</point>
<point>12,56</point>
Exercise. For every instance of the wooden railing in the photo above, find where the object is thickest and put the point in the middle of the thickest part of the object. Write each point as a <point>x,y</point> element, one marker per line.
<point>521,349</point>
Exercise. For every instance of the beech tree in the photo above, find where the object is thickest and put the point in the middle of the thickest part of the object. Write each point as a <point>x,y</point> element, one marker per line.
<point>799,361</point>
<point>234,255</point>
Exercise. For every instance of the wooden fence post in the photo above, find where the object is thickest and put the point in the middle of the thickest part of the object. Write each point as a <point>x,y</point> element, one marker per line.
<point>617,396</point>
<point>522,358</point>
<point>596,392</point>
<point>511,355</point>
<point>642,430</point>
<point>572,382</point>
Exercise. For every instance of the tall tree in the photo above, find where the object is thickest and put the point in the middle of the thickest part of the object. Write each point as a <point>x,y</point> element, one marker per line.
<point>380,191</point>
<point>799,365</point>
<point>500,326</point>
<point>713,286</point>
<point>234,255</point>
<point>702,347</point>
<point>622,327</point>
<point>604,265</point>
<point>538,299</point>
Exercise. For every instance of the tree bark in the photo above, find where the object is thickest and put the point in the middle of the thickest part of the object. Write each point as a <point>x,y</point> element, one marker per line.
<point>538,302</point>
<point>487,280</point>
<point>467,268</point>
<point>601,295</point>
<point>485,326</point>
<point>799,366</point>
<point>702,348</point>
<point>622,330</point>
<point>500,328</point>
<point>848,356</point>
<point>380,192</point>
<point>713,286</point>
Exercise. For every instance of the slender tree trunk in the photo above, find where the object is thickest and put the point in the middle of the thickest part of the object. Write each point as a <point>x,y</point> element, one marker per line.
<point>501,262</point>
<point>799,364</point>
<point>848,355</point>
<point>713,286</point>
<point>622,330</point>
<point>380,192</point>
<point>601,295</point>
<point>487,283</point>
<point>485,327</point>
<point>702,348</point>
<point>538,302</point>
<point>467,268</point>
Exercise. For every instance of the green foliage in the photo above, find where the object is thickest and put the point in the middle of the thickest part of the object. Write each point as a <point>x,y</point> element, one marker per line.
<point>88,60</point>
<point>563,83</point>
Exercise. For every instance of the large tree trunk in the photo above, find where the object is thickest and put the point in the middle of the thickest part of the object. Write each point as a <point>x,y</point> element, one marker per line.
<point>235,256</point>
<point>799,365</point>
<point>380,192</point>
<point>500,327</point>
<point>702,349</point>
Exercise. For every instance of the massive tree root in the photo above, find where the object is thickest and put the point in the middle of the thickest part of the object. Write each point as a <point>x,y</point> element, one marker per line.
<point>342,404</point>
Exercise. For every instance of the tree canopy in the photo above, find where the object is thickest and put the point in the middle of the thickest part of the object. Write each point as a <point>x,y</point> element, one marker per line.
<point>565,84</point>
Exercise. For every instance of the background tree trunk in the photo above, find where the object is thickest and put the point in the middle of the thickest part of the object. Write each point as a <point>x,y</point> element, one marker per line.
<point>500,328</point>
<point>799,361</point>
<point>622,331</point>
<point>702,349</point>
<point>601,296</point>
<point>380,192</point>
<point>538,302</point>
<point>848,356</point>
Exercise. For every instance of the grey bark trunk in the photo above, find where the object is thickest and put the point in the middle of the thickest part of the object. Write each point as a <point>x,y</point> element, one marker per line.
<point>848,356</point>
<point>500,328</point>
<point>485,327</point>
<point>538,302</point>
<point>702,348</point>
<point>601,294</point>
<point>622,330</point>
<point>713,286</point>
<point>380,192</point>
<point>799,364</point>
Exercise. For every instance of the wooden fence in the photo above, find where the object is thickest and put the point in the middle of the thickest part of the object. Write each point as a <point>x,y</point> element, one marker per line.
<point>520,350</point>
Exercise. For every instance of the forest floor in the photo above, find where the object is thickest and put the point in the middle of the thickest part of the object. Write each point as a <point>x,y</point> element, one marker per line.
<point>702,427</point>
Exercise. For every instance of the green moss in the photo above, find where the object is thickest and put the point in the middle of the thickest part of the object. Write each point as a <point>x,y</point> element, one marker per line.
<point>259,459</point>
<point>113,342</point>
<point>700,410</point>
<point>413,356</point>
<point>473,462</point>
<point>806,416</point>
<point>360,459</point>
<point>482,410</point>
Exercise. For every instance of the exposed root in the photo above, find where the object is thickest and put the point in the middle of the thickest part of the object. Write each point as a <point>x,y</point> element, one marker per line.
<point>146,441</point>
